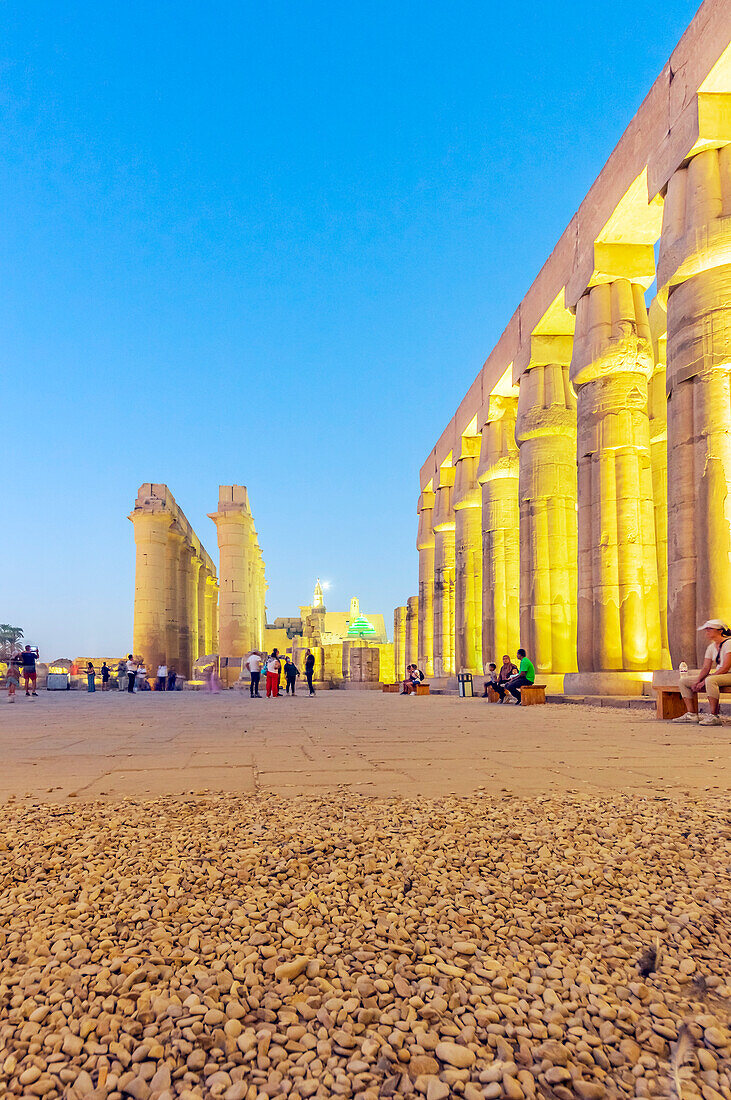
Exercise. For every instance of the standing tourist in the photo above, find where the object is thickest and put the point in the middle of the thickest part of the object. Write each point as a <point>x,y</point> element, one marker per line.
<point>253,664</point>
<point>273,672</point>
<point>131,673</point>
<point>106,672</point>
<point>715,674</point>
<point>291,672</point>
<point>526,676</point>
<point>28,660</point>
<point>13,678</point>
<point>172,679</point>
<point>90,677</point>
<point>310,669</point>
<point>121,675</point>
<point>161,679</point>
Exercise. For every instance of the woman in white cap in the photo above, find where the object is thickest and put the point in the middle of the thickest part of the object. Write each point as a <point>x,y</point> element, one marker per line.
<point>716,673</point>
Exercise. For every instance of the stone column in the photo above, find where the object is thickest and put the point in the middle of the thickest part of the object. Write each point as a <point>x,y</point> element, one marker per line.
<point>694,275</point>
<point>192,599</point>
<point>467,503</point>
<point>412,630</point>
<point>211,615</point>
<point>201,607</point>
<point>185,588</point>
<point>444,575</point>
<point>174,598</point>
<point>545,431</point>
<point>425,546</point>
<point>399,642</point>
<point>150,610</point>
<point>498,476</point>
<point>618,604</point>
<point>236,536</point>
<point>658,413</point>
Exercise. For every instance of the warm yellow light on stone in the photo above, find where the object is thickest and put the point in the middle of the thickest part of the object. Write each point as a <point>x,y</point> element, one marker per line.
<point>412,630</point>
<point>425,546</point>
<point>240,577</point>
<point>444,575</point>
<point>399,642</point>
<point>467,504</point>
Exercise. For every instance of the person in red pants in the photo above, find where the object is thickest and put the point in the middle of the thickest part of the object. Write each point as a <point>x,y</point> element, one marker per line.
<point>273,667</point>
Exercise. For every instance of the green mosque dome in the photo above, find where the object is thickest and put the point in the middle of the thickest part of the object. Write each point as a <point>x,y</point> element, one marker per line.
<point>361,628</point>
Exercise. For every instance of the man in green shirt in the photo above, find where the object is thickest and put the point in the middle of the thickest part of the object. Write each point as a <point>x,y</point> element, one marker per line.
<point>526,676</point>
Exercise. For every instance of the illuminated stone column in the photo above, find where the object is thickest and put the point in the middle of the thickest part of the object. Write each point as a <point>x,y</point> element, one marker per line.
<point>185,589</point>
<point>658,413</point>
<point>618,605</point>
<point>193,575</point>
<point>694,276</point>
<point>236,537</point>
<point>150,611</point>
<point>399,642</point>
<point>545,431</point>
<point>498,476</point>
<point>425,546</point>
<point>201,609</point>
<point>467,503</point>
<point>211,615</point>
<point>444,575</point>
<point>412,630</point>
<point>260,589</point>
<point>174,597</point>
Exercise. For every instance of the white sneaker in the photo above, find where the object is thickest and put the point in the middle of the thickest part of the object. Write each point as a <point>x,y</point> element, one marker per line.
<point>687,717</point>
<point>711,720</point>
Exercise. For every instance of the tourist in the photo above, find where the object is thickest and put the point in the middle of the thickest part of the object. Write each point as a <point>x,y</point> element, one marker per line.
<point>525,678</point>
<point>131,673</point>
<point>172,679</point>
<point>715,674</point>
<point>291,672</point>
<point>273,673</point>
<point>310,669</point>
<point>28,660</point>
<point>253,664</point>
<point>13,678</point>
<point>106,673</point>
<point>507,671</point>
<point>414,676</point>
<point>141,678</point>
<point>90,677</point>
<point>121,675</point>
<point>491,681</point>
<point>161,680</point>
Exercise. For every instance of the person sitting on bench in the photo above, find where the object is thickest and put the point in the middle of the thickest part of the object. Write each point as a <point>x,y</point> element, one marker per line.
<point>414,676</point>
<point>525,678</point>
<point>491,681</point>
<point>715,674</point>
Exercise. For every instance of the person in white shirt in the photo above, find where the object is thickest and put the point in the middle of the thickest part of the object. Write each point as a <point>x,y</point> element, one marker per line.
<point>162,678</point>
<point>253,663</point>
<point>131,673</point>
<point>716,673</point>
<point>273,667</point>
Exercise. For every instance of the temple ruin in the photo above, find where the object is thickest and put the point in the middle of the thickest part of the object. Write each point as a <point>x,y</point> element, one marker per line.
<point>578,502</point>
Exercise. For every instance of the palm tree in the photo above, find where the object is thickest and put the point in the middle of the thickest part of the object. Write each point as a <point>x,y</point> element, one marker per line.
<point>9,638</point>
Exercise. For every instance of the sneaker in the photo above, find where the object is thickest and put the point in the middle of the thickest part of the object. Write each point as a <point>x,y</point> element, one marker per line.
<point>28,694</point>
<point>687,717</point>
<point>35,693</point>
<point>710,720</point>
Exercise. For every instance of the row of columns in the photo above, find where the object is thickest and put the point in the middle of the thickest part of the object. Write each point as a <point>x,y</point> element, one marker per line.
<point>590,519</point>
<point>405,636</point>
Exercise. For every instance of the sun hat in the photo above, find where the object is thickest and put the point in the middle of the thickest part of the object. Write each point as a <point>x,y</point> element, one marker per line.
<point>713,624</point>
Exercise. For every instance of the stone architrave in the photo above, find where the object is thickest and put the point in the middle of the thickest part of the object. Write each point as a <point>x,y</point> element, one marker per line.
<point>498,477</point>
<point>546,435</point>
<point>694,277</point>
<point>618,598</point>
<point>444,576</point>
<point>467,504</point>
<point>425,546</point>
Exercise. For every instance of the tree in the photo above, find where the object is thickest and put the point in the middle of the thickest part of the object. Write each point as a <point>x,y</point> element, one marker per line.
<point>9,638</point>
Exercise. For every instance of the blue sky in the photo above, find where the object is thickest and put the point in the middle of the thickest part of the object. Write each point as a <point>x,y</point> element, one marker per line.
<point>272,244</point>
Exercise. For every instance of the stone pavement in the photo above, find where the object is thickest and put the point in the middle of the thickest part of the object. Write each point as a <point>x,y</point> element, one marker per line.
<point>75,745</point>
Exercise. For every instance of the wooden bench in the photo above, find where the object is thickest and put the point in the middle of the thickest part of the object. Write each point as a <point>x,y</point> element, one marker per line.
<point>533,695</point>
<point>422,689</point>
<point>392,687</point>
<point>670,702</point>
<point>492,695</point>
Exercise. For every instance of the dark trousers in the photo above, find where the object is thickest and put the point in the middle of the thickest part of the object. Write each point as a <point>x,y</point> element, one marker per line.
<point>254,685</point>
<point>161,683</point>
<point>290,683</point>
<point>131,676</point>
<point>308,674</point>
<point>519,681</point>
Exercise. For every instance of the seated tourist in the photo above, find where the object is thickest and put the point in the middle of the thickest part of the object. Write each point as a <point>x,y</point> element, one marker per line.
<point>507,671</point>
<point>414,676</point>
<point>715,673</point>
<point>525,678</point>
<point>491,678</point>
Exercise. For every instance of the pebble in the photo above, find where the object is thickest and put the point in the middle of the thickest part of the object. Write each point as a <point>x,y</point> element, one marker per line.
<point>248,948</point>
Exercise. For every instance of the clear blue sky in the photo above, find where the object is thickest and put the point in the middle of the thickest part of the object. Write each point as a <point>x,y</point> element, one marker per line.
<point>272,243</point>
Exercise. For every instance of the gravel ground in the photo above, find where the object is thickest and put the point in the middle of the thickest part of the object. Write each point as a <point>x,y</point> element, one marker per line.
<point>345,946</point>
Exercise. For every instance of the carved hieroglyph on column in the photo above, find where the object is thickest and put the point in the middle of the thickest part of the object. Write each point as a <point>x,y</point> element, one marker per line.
<point>444,567</point>
<point>467,504</point>
<point>498,475</point>
<point>412,630</point>
<point>425,546</point>
<point>694,275</point>
<point>399,642</point>
<point>240,582</point>
<point>150,612</point>
<point>658,413</point>
<point>618,605</point>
